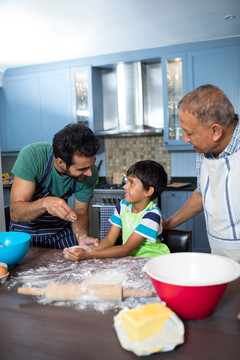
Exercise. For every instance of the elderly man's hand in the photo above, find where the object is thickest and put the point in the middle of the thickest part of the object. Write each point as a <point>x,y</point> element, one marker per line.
<point>165,224</point>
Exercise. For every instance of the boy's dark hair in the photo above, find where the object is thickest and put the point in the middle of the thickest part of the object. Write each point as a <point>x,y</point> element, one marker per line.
<point>74,139</point>
<point>150,173</point>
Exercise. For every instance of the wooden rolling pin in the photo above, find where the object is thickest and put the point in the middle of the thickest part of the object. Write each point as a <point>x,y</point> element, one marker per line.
<point>70,292</point>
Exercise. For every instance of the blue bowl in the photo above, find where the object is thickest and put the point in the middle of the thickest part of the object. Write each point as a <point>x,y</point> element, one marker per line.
<point>13,247</point>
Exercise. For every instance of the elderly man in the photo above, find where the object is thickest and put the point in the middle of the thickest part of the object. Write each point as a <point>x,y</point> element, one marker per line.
<point>210,125</point>
<point>46,175</point>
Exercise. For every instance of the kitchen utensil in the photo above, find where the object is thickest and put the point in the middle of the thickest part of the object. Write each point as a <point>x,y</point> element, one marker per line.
<point>99,165</point>
<point>124,180</point>
<point>191,284</point>
<point>69,292</point>
<point>178,185</point>
<point>13,247</point>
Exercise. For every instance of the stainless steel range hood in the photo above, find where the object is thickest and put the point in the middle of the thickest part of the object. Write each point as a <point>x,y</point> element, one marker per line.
<point>132,99</point>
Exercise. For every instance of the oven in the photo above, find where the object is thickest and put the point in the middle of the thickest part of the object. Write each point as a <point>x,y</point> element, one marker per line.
<point>102,206</point>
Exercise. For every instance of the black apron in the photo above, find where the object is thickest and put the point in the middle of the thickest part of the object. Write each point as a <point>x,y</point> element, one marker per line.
<point>48,231</point>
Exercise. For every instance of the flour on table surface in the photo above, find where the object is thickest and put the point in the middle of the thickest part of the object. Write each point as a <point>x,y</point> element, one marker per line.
<point>105,277</point>
<point>61,271</point>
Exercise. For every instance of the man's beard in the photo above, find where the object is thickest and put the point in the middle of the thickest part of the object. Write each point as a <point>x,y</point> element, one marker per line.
<point>66,172</point>
<point>79,178</point>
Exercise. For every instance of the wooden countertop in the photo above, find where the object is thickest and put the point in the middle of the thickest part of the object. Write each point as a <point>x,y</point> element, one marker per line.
<point>30,330</point>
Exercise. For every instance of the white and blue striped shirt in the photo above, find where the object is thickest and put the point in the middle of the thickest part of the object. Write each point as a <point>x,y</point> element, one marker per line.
<point>150,226</point>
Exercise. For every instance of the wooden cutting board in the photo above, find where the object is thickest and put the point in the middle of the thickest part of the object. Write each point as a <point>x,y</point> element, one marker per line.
<point>178,185</point>
<point>117,178</point>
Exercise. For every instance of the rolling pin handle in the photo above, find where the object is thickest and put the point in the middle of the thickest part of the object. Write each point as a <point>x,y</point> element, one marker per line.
<point>31,291</point>
<point>127,293</point>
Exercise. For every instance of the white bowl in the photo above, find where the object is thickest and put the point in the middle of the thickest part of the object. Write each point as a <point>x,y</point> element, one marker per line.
<point>193,269</point>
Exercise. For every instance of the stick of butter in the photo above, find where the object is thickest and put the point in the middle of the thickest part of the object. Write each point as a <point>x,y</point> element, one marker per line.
<point>145,321</point>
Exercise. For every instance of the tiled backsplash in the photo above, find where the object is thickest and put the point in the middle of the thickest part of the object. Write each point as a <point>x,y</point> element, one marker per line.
<point>121,152</point>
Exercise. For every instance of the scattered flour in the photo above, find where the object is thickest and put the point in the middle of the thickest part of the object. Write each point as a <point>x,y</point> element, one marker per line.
<point>105,277</point>
<point>61,271</point>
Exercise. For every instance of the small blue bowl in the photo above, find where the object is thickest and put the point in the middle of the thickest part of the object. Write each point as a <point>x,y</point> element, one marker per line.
<point>13,247</point>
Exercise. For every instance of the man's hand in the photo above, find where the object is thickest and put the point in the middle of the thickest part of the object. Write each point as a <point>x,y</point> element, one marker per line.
<point>85,240</point>
<point>165,224</point>
<point>58,207</point>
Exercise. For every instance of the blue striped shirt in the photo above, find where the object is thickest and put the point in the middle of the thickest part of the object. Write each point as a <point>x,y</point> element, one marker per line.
<point>233,147</point>
<point>151,223</point>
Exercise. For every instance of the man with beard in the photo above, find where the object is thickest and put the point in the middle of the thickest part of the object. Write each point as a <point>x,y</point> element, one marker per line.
<point>45,176</point>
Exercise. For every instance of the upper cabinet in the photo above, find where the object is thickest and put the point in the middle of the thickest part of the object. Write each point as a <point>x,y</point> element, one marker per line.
<point>185,72</point>
<point>219,67</point>
<point>81,79</point>
<point>2,129</point>
<point>86,95</point>
<point>36,106</point>
<point>21,115</point>
<point>174,87</point>
<point>37,101</point>
<point>54,96</point>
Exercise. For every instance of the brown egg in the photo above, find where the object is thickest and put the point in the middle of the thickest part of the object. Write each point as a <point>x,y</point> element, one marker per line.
<point>3,270</point>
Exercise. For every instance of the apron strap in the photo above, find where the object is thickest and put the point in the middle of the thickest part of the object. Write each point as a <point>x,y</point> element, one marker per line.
<point>49,165</point>
<point>47,170</point>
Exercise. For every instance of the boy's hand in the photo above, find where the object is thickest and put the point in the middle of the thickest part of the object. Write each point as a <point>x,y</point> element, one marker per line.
<point>75,253</point>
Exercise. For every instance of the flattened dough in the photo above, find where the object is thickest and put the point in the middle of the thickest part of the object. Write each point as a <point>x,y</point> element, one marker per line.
<point>105,277</point>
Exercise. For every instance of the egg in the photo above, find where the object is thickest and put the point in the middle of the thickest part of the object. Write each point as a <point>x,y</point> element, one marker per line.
<point>3,270</point>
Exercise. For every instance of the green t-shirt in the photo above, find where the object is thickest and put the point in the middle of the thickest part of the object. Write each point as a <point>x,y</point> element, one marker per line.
<point>30,166</point>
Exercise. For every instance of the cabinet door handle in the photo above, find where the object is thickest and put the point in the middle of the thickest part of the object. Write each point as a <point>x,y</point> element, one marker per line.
<point>173,194</point>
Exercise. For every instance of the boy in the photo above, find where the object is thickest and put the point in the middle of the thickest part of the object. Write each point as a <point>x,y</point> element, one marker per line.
<point>138,218</point>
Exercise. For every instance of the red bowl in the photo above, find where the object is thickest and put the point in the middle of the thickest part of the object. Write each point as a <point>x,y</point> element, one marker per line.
<point>191,284</point>
<point>190,302</point>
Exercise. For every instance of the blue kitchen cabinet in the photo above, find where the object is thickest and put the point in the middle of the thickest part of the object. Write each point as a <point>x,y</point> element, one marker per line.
<point>171,202</point>
<point>54,93</point>
<point>81,87</point>
<point>200,238</point>
<point>39,100</point>
<point>37,105</point>
<point>219,67</point>
<point>21,115</point>
<point>174,68</point>
<point>6,195</point>
<point>2,128</point>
